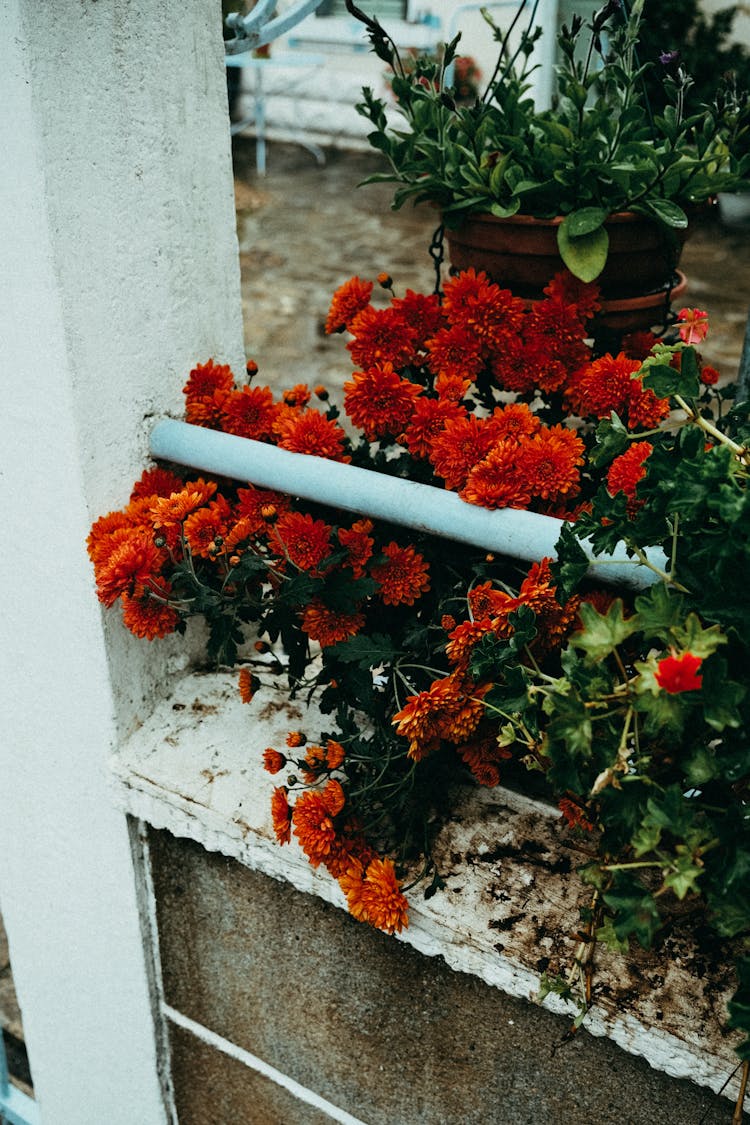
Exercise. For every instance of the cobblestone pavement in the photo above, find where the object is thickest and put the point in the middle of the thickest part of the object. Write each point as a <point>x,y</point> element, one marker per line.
<point>304,229</point>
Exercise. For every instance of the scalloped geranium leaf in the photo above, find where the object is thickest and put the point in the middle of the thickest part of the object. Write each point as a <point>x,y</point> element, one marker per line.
<point>602,633</point>
<point>612,438</point>
<point>585,255</point>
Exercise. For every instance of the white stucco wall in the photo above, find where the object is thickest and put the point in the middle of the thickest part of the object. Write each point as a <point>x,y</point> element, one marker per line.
<point>120,271</point>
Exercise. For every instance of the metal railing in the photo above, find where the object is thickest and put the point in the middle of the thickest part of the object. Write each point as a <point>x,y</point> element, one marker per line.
<point>16,1108</point>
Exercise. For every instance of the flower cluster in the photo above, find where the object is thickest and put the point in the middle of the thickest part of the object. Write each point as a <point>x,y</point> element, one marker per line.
<point>440,664</point>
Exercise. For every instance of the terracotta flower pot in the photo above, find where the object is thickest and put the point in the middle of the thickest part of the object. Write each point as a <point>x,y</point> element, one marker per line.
<point>520,253</point>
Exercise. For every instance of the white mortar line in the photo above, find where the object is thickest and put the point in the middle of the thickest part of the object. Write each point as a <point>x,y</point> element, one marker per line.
<point>146,896</point>
<point>254,1063</point>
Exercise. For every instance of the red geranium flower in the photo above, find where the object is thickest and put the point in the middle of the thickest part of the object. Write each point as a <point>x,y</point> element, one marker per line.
<point>676,674</point>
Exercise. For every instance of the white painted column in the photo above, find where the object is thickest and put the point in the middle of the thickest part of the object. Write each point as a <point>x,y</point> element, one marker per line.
<point>120,270</point>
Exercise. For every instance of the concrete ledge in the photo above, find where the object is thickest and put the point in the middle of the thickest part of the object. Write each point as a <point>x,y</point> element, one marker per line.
<point>510,909</point>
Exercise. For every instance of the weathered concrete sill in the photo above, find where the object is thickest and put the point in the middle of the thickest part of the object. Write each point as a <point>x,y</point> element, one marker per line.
<point>510,909</point>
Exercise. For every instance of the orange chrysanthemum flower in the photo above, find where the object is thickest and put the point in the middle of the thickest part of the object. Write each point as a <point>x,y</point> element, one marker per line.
<point>315,760</point>
<point>450,709</point>
<point>513,421</point>
<point>553,621</point>
<point>155,482</point>
<point>574,815</point>
<point>147,617</point>
<point>130,567</point>
<point>303,540</point>
<point>335,754</point>
<point>638,345</point>
<point>251,502</point>
<point>380,336</point>
<point>205,378</point>
<point>603,386</point>
<point>359,545</point>
<point>487,601</point>
<point>421,313</point>
<point>329,626</point>
<point>463,638</point>
<point>555,334</point>
<point>550,460</point>
<point>106,533</point>
<point>515,366</point>
<point>298,395</point>
<point>246,685</point>
<point>455,351</point>
<point>207,387</point>
<point>379,402</point>
<point>571,291</point>
<point>497,482</point>
<point>273,761</point>
<point>351,880</point>
<point>482,756</point>
<point>458,291</point>
<point>313,826</point>
<point>348,300</point>
<point>250,413</point>
<point>384,904</point>
<point>281,815</point>
<point>429,418</point>
<point>627,470</point>
<point>644,409</point>
<point>312,433</point>
<point>403,577</point>
<point>296,738</point>
<point>313,818</point>
<point>202,528</point>
<point>451,387</point>
<point>168,511</point>
<point>459,447</point>
<point>493,315</point>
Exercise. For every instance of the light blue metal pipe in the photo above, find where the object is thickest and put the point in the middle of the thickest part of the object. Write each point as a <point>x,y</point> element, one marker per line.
<point>252,32</point>
<point>518,534</point>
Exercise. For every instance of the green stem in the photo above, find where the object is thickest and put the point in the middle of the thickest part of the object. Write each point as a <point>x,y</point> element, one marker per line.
<point>709,428</point>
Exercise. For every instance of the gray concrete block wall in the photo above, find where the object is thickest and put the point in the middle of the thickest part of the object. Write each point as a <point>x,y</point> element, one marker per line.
<point>390,1036</point>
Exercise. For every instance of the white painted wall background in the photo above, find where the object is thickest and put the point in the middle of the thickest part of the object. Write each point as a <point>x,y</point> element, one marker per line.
<point>120,269</point>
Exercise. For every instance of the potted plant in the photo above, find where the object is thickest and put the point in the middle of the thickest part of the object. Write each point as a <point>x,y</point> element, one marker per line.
<point>441,665</point>
<point>599,178</point>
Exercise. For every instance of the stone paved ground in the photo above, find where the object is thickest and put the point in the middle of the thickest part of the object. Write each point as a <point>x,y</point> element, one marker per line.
<point>304,229</point>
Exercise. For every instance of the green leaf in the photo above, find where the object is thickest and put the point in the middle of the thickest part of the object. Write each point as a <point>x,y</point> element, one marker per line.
<point>683,873</point>
<point>586,255</point>
<point>585,221</point>
<point>662,380</point>
<point>607,936</point>
<point>571,564</point>
<point>635,911</point>
<point>667,212</point>
<point>367,651</point>
<point>721,696</point>
<point>612,439</point>
<point>602,633</point>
